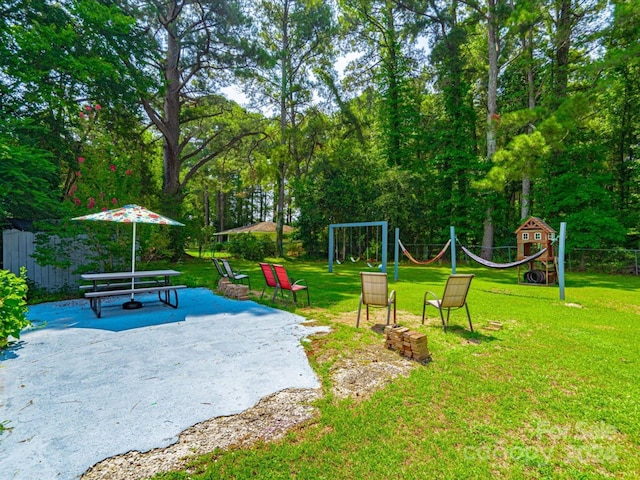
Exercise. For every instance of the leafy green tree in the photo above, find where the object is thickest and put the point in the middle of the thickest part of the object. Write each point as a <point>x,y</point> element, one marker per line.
<point>105,175</point>
<point>297,36</point>
<point>197,44</point>
<point>28,182</point>
<point>384,34</point>
<point>620,100</point>
<point>108,173</point>
<point>340,188</point>
<point>451,132</point>
<point>387,68</point>
<point>57,56</point>
<point>520,84</point>
<point>219,182</point>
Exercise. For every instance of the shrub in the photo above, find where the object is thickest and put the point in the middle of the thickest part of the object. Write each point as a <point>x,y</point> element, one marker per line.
<point>13,305</point>
<point>294,248</point>
<point>251,247</point>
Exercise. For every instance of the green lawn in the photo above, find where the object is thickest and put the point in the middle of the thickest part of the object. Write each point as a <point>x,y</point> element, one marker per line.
<point>554,394</point>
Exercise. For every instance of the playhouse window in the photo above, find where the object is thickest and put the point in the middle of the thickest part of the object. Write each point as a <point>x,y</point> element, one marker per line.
<point>551,236</point>
<point>525,236</point>
<point>537,236</point>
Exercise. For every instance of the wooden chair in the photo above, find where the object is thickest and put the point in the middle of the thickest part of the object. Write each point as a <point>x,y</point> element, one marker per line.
<point>269,279</point>
<point>285,284</point>
<point>235,277</point>
<point>454,296</point>
<point>375,291</point>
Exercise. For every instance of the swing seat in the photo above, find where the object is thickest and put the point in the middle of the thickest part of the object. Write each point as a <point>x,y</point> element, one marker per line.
<point>375,291</point>
<point>454,296</point>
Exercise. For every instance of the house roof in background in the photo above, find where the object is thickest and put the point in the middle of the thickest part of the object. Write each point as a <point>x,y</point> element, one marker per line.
<point>260,227</point>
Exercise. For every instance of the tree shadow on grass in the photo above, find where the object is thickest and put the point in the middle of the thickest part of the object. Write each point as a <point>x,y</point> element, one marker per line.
<point>475,337</point>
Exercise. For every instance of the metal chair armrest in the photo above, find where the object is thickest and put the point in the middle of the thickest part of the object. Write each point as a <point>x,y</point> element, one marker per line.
<point>427,293</point>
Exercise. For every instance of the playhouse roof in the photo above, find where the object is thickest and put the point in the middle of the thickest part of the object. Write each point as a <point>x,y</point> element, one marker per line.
<point>535,223</point>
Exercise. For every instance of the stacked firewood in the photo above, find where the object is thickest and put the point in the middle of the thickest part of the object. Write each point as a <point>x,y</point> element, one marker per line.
<point>407,342</point>
<point>233,290</point>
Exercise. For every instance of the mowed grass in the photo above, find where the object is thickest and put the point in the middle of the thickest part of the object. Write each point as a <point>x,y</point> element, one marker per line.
<point>554,394</point>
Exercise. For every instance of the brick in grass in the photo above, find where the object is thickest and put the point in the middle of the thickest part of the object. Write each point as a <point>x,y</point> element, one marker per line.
<point>417,343</point>
<point>421,357</point>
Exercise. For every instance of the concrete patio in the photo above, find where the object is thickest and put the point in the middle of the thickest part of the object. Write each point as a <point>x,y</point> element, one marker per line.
<point>77,389</point>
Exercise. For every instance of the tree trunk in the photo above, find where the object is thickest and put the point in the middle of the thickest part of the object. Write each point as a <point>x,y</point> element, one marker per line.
<point>207,207</point>
<point>527,46</point>
<point>492,107</point>
<point>526,195</point>
<point>220,210</point>
<point>562,47</point>
<point>487,237</point>
<point>492,84</point>
<point>171,131</point>
<point>282,169</point>
<point>280,209</point>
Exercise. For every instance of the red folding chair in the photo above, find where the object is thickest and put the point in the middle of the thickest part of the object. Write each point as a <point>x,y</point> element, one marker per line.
<point>269,279</point>
<point>285,284</point>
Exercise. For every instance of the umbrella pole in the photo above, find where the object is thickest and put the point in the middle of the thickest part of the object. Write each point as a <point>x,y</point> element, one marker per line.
<point>133,259</point>
<point>133,304</point>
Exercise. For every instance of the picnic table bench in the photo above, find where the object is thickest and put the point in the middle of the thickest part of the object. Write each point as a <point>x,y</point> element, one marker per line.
<point>130,283</point>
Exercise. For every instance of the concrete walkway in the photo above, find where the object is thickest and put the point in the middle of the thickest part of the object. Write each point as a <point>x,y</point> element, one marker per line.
<point>77,389</point>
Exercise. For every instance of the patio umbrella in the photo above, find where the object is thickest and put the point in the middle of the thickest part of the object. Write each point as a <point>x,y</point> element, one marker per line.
<point>130,214</point>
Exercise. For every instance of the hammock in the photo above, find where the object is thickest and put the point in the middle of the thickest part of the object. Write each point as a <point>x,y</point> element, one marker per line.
<point>489,264</point>
<point>427,262</point>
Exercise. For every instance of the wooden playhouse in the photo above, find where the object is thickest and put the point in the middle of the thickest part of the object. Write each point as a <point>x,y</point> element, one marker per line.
<point>534,236</point>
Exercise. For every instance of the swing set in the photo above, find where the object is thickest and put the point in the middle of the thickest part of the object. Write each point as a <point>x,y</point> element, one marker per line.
<point>367,245</point>
<point>374,241</point>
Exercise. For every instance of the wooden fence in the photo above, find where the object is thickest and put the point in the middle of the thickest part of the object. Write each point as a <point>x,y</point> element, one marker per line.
<point>18,246</point>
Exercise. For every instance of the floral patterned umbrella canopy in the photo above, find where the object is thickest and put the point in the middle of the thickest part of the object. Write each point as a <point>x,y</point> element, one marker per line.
<point>130,214</point>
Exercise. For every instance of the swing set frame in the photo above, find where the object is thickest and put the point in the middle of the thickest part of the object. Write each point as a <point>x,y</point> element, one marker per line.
<point>385,231</point>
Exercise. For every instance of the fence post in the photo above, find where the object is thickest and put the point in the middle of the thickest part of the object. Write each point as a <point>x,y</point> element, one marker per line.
<point>396,255</point>
<point>563,230</point>
<point>453,250</point>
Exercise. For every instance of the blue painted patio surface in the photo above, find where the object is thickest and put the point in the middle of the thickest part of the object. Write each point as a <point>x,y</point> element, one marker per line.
<point>77,389</point>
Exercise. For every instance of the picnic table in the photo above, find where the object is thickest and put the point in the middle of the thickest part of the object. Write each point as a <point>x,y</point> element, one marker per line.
<point>112,284</point>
